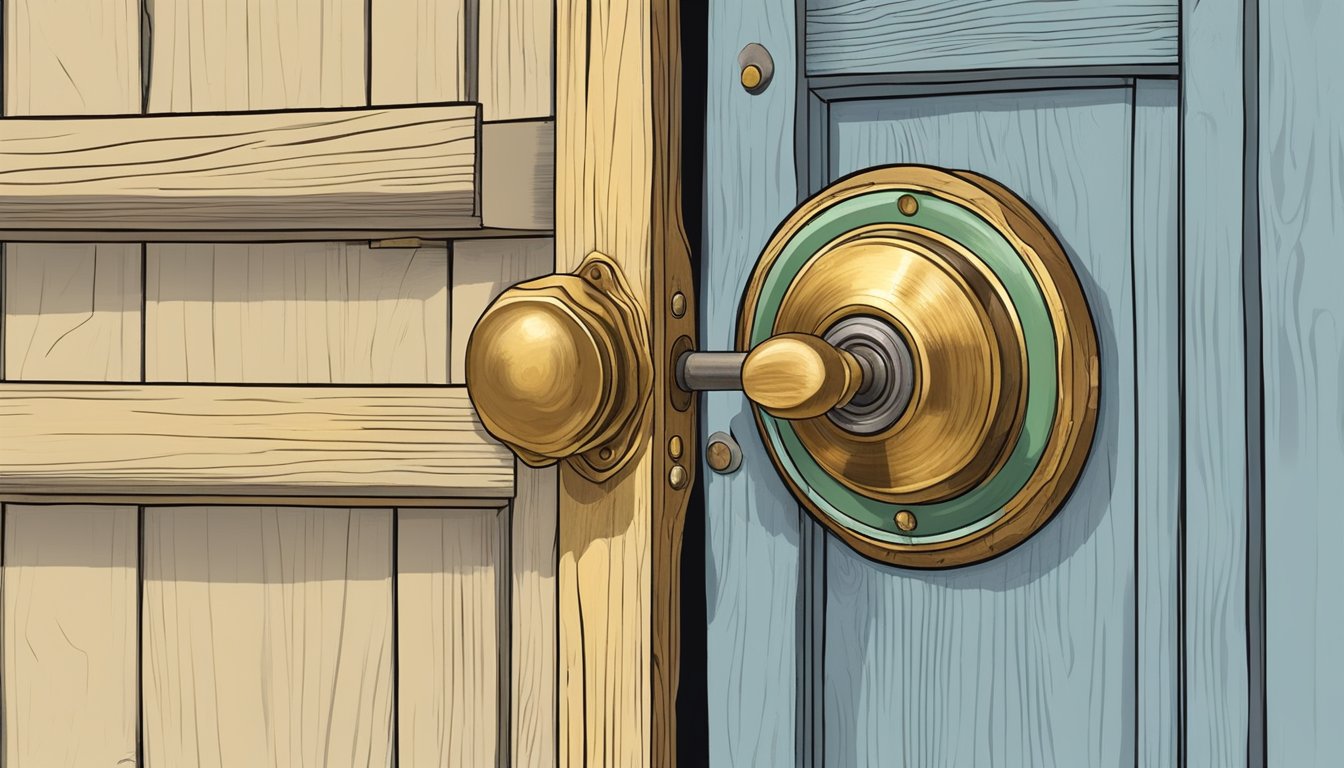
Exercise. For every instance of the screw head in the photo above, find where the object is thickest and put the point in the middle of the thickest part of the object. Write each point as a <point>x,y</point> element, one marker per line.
<point>908,205</point>
<point>677,477</point>
<point>678,304</point>
<point>905,520</point>
<point>751,76</point>
<point>674,447</point>
<point>722,453</point>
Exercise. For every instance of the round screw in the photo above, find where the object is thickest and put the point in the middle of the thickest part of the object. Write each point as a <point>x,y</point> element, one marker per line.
<point>905,520</point>
<point>674,447</point>
<point>751,76</point>
<point>677,477</point>
<point>678,304</point>
<point>604,454</point>
<point>723,454</point>
<point>908,205</point>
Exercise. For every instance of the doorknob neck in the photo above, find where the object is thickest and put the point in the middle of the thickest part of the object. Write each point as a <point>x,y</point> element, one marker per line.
<point>792,376</point>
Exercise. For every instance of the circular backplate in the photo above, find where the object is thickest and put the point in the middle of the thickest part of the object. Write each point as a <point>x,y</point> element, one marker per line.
<point>1003,397</point>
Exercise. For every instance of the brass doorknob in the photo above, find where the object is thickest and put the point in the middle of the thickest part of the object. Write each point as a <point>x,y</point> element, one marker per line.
<point>559,367</point>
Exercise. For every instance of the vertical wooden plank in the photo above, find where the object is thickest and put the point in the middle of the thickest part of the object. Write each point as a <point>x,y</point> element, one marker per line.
<point>1029,658</point>
<point>534,714</point>
<point>71,312</point>
<point>1157,317</point>
<point>752,532</point>
<point>70,635</point>
<point>1217,679</point>
<point>482,269</point>
<point>267,636</point>
<point>516,48</point>
<point>1301,119</point>
<point>419,51</point>
<point>238,55</point>
<point>306,312</point>
<point>618,192</point>
<point>451,597</point>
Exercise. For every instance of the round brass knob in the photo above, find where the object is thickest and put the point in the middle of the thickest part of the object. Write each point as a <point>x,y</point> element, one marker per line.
<point>558,367</point>
<point>800,376</point>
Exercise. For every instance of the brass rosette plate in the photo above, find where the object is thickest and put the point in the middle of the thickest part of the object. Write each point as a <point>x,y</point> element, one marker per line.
<point>1005,370</point>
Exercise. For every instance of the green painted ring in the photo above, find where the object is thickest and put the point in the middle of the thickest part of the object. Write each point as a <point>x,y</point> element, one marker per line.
<point>983,505</point>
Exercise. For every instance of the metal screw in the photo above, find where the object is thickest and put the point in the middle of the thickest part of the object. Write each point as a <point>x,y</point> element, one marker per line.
<point>677,477</point>
<point>905,520</point>
<point>756,67</point>
<point>723,454</point>
<point>604,454</point>
<point>674,447</point>
<point>908,205</point>
<point>678,304</point>
<point>751,76</point>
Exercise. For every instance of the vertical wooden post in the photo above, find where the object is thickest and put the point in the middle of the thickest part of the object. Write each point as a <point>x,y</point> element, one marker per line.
<point>618,191</point>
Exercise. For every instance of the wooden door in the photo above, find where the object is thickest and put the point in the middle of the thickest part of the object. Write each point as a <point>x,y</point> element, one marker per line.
<point>1131,629</point>
<point>250,517</point>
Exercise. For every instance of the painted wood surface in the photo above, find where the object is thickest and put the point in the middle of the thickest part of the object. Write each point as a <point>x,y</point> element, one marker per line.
<point>618,150</point>
<point>407,168</point>
<point>483,269</point>
<point>534,714</point>
<point>72,312</point>
<point>1301,216</point>
<point>752,535</point>
<point>421,51</point>
<point>516,59</point>
<point>1157,299</point>
<point>70,640</point>
<point>267,636</point>
<point>452,629</point>
<point>1036,648</point>
<point>307,312</point>
<point>129,440</point>
<point>1217,681</point>
<point>871,36</point>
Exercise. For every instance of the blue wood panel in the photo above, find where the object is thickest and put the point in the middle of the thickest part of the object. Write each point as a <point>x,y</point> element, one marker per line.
<point>1217,680</point>
<point>1157,320</point>
<point>1028,659</point>
<point>871,36</point>
<point>1301,190</point>
<point>753,565</point>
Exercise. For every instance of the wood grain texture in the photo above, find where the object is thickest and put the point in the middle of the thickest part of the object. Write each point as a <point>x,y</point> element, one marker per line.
<point>871,36</point>
<point>419,51</point>
<point>1301,225</point>
<point>482,269</point>
<point>267,636</point>
<point>294,171</point>
<point>534,707</point>
<point>311,312</point>
<point>518,191</point>
<point>72,312</point>
<point>452,622</point>
<point>1027,659</point>
<point>70,641</point>
<point>1217,684</point>
<point>238,442</point>
<point>71,57</point>
<point>618,123</point>
<point>515,59</point>
<point>753,564</point>
<point>1157,318</point>
<point>237,55</point>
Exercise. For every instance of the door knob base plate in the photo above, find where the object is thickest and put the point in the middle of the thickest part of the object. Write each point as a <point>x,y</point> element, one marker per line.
<point>1002,346</point>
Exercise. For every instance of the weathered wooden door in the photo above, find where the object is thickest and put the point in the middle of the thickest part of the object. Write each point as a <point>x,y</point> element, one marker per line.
<point>1172,148</point>
<point>250,517</point>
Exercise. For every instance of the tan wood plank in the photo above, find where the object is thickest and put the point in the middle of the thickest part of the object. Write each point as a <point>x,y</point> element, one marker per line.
<point>452,596</point>
<point>268,636</point>
<point>72,312</point>
<point>482,269</point>
<point>240,54</point>
<point>293,171</point>
<point>518,174</point>
<point>314,312</point>
<point>618,192</point>
<point>70,635</point>
<point>515,66</point>
<point>533,704</point>
<point>312,442</point>
<point>419,51</point>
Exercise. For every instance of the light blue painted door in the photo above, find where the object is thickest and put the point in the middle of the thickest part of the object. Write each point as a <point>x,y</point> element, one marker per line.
<point>1063,651</point>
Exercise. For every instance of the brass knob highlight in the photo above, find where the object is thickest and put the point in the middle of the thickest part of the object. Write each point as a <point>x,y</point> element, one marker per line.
<point>559,368</point>
<point>800,376</point>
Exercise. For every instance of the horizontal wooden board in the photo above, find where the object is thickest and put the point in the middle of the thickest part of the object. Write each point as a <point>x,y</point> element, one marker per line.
<point>130,441</point>
<point>331,171</point>
<point>890,36</point>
